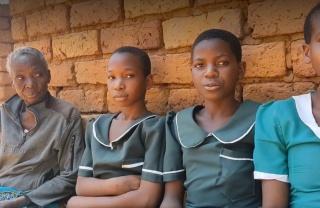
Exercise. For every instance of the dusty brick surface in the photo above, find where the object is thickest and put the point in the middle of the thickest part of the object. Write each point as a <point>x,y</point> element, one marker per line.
<point>5,49</point>
<point>6,36</point>
<point>19,28</point>
<point>75,97</point>
<point>95,101</point>
<point>273,17</point>
<point>303,87</point>
<point>6,92</point>
<point>143,7</point>
<point>4,10</point>
<point>265,60</point>
<point>3,64</point>
<point>91,72</point>
<point>4,23</point>
<point>157,100</point>
<point>19,6</point>
<point>50,20</point>
<point>86,101</point>
<point>61,75</point>
<point>145,36</point>
<point>181,31</point>
<point>75,44</point>
<point>43,45</point>
<point>4,78</point>
<point>54,2</point>
<point>172,68</point>
<point>206,2</point>
<point>264,92</point>
<point>94,12</point>
<point>300,68</point>
<point>183,98</point>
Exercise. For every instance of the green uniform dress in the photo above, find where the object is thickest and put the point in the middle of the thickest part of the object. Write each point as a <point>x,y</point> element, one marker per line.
<point>217,166</point>
<point>288,148</point>
<point>138,151</point>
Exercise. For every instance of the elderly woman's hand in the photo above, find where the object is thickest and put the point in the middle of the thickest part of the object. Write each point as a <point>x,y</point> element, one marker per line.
<point>14,203</point>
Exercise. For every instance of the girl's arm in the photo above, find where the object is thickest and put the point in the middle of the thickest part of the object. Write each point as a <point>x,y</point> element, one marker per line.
<point>275,194</point>
<point>174,194</point>
<point>89,186</point>
<point>148,195</point>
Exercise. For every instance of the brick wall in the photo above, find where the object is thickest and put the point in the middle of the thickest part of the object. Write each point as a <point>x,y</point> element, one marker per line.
<point>6,45</point>
<point>78,36</point>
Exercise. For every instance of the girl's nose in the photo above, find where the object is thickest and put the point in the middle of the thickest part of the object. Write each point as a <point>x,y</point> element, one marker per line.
<point>211,71</point>
<point>119,85</point>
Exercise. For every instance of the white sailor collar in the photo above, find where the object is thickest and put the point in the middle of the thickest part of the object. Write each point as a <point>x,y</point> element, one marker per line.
<point>190,134</point>
<point>101,128</point>
<point>304,109</point>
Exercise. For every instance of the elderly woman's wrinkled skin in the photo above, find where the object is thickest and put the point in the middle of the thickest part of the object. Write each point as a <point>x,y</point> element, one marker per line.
<point>30,78</point>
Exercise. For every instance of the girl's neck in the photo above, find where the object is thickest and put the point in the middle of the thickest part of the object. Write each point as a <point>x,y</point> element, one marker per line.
<point>221,109</point>
<point>215,115</point>
<point>132,113</point>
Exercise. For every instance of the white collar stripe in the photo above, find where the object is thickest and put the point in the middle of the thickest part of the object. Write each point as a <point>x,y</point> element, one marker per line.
<point>152,171</point>
<point>95,135</point>
<point>304,109</point>
<point>236,140</point>
<point>234,158</point>
<point>171,172</point>
<point>133,165</point>
<point>85,168</point>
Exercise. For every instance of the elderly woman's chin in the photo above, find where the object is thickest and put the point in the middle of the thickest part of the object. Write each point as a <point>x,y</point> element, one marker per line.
<point>33,97</point>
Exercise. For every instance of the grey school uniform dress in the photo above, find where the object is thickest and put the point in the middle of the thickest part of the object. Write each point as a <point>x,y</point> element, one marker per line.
<point>138,151</point>
<point>217,166</point>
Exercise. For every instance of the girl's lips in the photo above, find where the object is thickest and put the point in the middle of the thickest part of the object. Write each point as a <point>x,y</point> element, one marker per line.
<point>120,98</point>
<point>211,86</point>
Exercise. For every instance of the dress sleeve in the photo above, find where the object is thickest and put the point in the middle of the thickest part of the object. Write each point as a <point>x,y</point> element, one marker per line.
<point>70,151</point>
<point>173,161</point>
<point>154,141</point>
<point>86,165</point>
<point>270,154</point>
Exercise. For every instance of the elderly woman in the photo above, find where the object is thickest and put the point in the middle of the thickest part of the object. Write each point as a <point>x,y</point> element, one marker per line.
<point>40,137</point>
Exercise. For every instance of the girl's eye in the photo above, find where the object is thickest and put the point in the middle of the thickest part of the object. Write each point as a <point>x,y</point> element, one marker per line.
<point>222,63</point>
<point>37,75</point>
<point>198,65</point>
<point>110,77</point>
<point>129,75</point>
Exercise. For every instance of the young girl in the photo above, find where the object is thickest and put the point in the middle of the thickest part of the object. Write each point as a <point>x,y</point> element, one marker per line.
<point>288,138</point>
<point>211,146</point>
<point>122,147</point>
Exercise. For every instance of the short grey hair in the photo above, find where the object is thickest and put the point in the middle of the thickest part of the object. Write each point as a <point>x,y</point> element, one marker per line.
<point>25,51</point>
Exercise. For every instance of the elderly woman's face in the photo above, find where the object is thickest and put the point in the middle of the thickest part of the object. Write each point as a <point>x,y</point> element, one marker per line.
<point>30,78</point>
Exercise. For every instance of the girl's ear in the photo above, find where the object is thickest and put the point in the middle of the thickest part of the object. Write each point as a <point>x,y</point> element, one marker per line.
<point>149,81</point>
<point>306,53</point>
<point>242,69</point>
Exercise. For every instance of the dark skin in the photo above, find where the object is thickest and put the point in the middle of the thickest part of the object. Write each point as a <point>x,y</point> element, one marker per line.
<point>215,74</point>
<point>30,79</point>
<point>127,85</point>
<point>276,193</point>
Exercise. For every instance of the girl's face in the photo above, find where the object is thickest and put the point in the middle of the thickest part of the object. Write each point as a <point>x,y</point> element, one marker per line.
<point>127,83</point>
<point>215,70</point>
<point>312,50</point>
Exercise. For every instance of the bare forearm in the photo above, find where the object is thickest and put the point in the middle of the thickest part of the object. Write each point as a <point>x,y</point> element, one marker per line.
<point>148,195</point>
<point>14,203</point>
<point>275,194</point>
<point>106,187</point>
<point>174,195</point>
